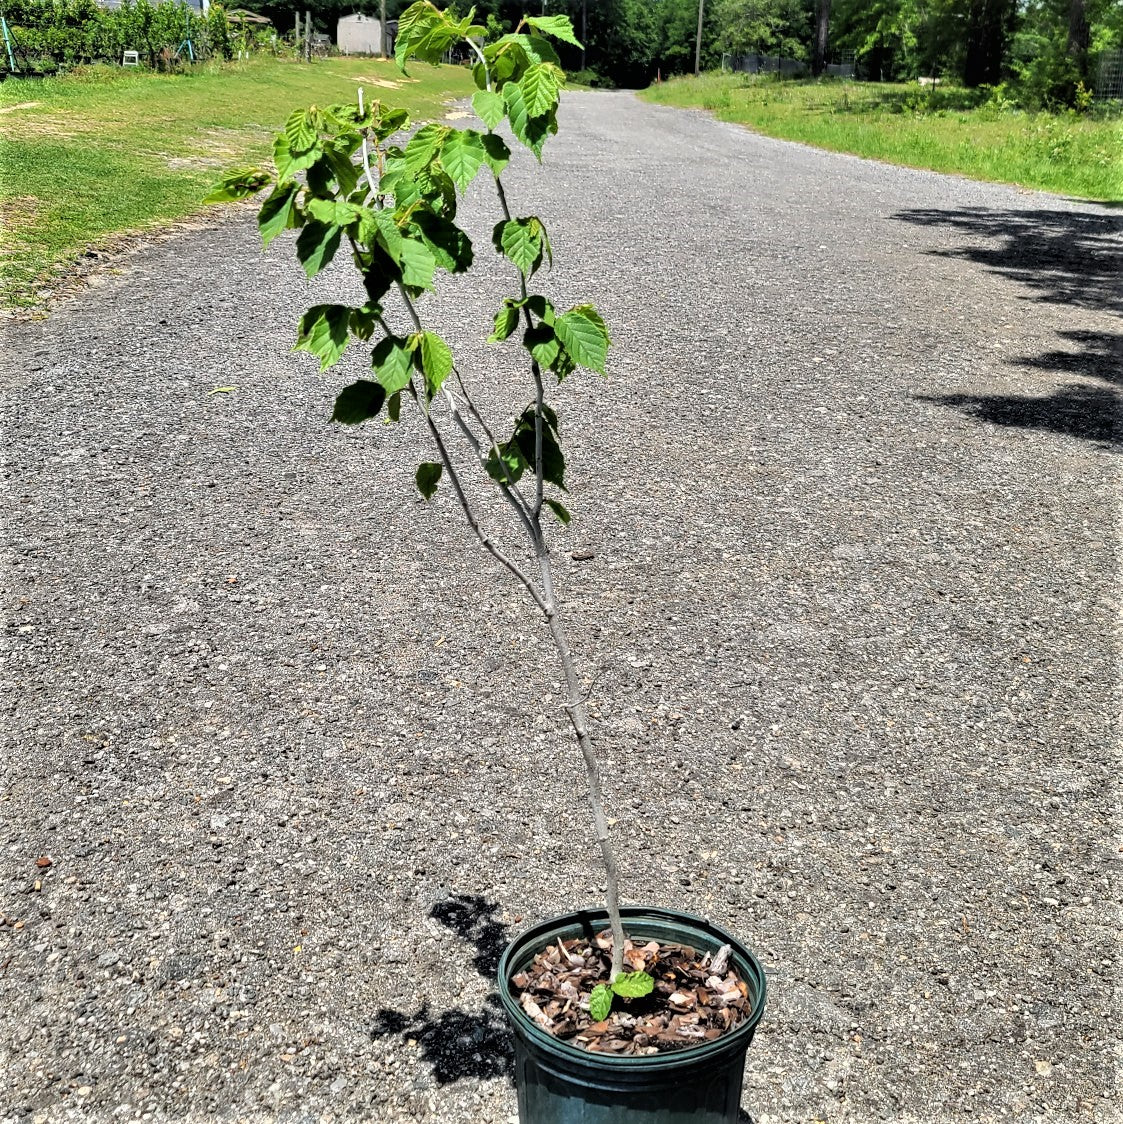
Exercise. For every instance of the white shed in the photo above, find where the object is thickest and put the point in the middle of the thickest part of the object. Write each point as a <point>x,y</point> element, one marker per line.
<point>359,35</point>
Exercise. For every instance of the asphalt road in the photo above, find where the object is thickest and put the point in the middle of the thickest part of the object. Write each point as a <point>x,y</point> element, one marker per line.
<point>292,745</point>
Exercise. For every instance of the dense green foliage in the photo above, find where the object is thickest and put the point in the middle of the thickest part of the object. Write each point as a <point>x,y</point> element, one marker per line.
<point>1042,49</point>
<point>395,210</point>
<point>949,129</point>
<point>50,32</point>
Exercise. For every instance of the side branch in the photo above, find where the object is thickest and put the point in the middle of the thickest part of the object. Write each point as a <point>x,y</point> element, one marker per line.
<point>470,515</point>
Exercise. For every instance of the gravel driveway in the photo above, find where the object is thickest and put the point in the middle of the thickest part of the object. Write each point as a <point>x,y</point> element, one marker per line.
<point>292,744</point>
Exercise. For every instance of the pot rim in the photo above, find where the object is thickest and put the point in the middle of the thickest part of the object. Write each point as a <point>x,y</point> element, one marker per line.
<point>727,1043</point>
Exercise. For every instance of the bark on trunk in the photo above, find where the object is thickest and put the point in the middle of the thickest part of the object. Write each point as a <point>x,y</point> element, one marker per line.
<point>822,30</point>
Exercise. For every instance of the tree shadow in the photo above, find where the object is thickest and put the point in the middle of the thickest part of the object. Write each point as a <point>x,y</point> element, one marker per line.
<point>1069,258</point>
<point>1077,409</point>
<point>1072,258</point>
<point>459,1044</point>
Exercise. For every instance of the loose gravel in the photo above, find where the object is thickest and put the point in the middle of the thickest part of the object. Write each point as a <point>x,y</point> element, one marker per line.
<point>293,746</point>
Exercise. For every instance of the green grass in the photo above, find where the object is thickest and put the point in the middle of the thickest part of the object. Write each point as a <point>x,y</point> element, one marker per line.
<point>945,129</point>
<point>94,155</point>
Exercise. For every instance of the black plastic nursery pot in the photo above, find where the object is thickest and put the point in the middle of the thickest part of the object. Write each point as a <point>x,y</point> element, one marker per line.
<point>562,1084</point>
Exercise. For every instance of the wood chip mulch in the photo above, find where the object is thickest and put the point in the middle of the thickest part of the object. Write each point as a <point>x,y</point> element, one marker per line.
<point>697,997</point>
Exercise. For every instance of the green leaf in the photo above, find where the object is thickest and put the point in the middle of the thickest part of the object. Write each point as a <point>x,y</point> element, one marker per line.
<point>238,184</point>
<point>364,320</point>
<point>553,461</point>
<point>316,246</point>
<point>489,107</point>
<point>417,264</point>
<point>448,244</point>
<point>560,511</point>
<point>278,212</point>
<point>497,154</point>
<point>394,406</point>
<point>559,27</point>
<point>540,88</point>
<point>517,112</point>
<point>423,147</point>
<point>428,474</point>
<point>542,344</point>
<point>506,321</point>
<point>302,129</point>
<point>584,336</point>
<point>633,985</point>
<point>521,241</point>
<point>461,156</point>
<point>287,162</point>
<point>506,463</point>
<point>392,364</point>
<point>334,212</point>
<point>600,1003</point>
<point>358,402</point>
<point>436,361</point>
<point>324,331</point>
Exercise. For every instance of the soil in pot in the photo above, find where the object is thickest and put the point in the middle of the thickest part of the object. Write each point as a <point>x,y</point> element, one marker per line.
<point>698,996</point>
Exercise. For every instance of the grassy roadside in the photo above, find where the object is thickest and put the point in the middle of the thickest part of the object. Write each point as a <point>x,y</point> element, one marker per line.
<point>93,155</point>
<point>947,129</point>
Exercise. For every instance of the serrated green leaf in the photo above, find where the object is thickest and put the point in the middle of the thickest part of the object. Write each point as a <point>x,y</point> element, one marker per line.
<point>423,146</point>
<point>324,331</point>
<point>302,129</point>
<point>559,27</point>
<point>517,113</point>
<point>394,406</point>
<point>600,1003</point>
<point>540,89</point>
<point>392,364</point>
<point>427,477</point>
<point>584,336</point>
<point>520,240</point>
<point>462,154</point>
<point>289,163</point>
<point>496,152</point>
<point>316,246</point>
<point>334,212</point>
<point>633,985</point>
<point>553,461</point>
<point>563,366</point>
<point>278,212</point>
<point>418,264</point>
<point>506,321</point>
<point>505,463</point>
<point>238,184</point>
<point>558,509</point>
<point>364,320</point>
<point>542,344</point>
<point>448,244</point>
<point>489,107</point>
<point>358,402</point>
<point>436,361</point>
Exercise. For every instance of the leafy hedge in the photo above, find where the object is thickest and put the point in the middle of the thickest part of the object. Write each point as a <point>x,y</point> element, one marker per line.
<point>69,32</point>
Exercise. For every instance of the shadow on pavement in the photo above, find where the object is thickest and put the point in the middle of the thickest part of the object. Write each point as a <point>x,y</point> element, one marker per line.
<point>1063,257</point>
<point>460,1044</point>
<point>1067,258</point>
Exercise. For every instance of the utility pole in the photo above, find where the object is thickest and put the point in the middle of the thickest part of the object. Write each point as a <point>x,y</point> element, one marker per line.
<point>698,41</point>
<point>382,34</point>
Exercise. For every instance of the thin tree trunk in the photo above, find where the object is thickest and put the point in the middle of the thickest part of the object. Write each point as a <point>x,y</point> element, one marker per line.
<point>382,33</point>
<point>1079,38</point>
<point>698,41</point>
<point>822,30</point>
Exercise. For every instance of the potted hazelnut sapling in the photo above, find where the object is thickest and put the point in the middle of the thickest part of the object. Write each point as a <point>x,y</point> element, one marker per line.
<point>633,1013</point>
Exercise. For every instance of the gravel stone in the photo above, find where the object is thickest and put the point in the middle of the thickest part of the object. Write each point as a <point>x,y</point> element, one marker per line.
<point>846,598</point>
